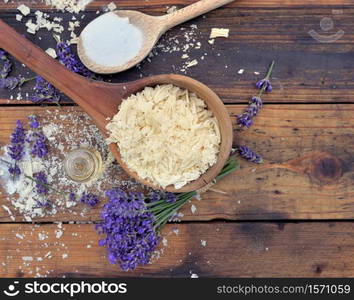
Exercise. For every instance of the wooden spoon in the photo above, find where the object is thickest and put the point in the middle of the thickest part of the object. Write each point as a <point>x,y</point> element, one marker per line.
<point>152,29</point>
<point>100,100</point>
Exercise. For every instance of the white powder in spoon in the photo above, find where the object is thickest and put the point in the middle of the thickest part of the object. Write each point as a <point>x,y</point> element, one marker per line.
<point>111,41</point>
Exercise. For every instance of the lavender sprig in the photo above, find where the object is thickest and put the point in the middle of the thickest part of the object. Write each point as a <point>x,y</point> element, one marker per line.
<point>6,64</point>
<point>41,183</point>
<point>70,60</point>
<point>12,82</point>
<point>248,154</point>
<point>37,139</point>
<point>89,199</point>
<point>131,223</point>
<point>255,104</point>
<point>130,236</point>
<point>16,148</point>
<point>44,91</point>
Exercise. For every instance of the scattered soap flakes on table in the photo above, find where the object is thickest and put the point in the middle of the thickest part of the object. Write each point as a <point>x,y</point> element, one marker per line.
<point>219,32</point>
<point>24,9</point>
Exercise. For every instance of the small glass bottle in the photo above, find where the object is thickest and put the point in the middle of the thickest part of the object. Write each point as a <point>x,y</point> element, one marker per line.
<point>83,164</point>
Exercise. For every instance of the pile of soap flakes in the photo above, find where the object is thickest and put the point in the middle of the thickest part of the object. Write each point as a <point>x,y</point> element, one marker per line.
<point>65,131</point>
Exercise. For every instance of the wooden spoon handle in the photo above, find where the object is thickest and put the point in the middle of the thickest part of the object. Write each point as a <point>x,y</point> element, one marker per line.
<point>191,11</point>
<point>99,99</point>
<point>38,61</point>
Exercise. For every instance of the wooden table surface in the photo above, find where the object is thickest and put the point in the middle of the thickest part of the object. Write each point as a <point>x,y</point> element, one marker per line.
<point>290,217</point>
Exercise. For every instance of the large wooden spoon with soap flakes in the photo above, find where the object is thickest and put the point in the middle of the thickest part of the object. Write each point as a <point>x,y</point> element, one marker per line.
<point>152,28</point>
<point>101,100</point>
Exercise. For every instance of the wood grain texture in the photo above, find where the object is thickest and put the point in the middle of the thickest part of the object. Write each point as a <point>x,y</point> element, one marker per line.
<point>308,170</point>
<point>162,4</point>
<point>232,250</point>
<point>306,70</point>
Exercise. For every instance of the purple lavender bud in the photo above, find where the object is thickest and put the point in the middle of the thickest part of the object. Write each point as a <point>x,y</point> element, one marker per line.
<point>15,170</point>
<point>36,139</point>
<point>246,118</point>
<point>250,155</point>
<point>154,196</point>
<point>89,199</point>
<point>34,124</point>
<point>44,91</point>
<point>171,198</point>
<point>17,142</point>
<point>130,238</point>
<point>71,62</point>
<point>72,197</point>
<point>41,183</point>
<point>6,65</point>
<point>10,83</point>
<point>264,84</point>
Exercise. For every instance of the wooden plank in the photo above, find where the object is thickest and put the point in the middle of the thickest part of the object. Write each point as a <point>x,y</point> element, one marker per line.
<point>306,70</point>
<point>308,170</point>
<point>232,250</point>
<point>97,4</point>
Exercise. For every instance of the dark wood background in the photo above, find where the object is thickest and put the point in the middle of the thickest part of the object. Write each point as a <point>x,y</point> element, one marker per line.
<point>291,216</point>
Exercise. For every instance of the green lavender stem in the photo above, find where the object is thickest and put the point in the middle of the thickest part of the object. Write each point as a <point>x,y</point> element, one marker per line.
<point>164,211</point>
<point>269,73</point>
<point>48,186</point>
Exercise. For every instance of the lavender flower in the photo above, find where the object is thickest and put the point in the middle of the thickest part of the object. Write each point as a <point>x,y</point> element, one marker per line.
<point>246,118</point>
<point>16,149</point>
<point>72,197</point>
<point>14,170</point>
<point>37,139</point>
<point>33,122</point>
<point>130,237</point>
<point>44,91</point>
<point>41,183</point>
<point>255,104</point>
<point>6,64</point>
<point>11,82</point>
<point>71,62</point>
<point>89,199</point>
<point>154,196</point>
<point>171,198</point>
<point>250,155</point>
<point>41,204</point>
<point>264,84</point>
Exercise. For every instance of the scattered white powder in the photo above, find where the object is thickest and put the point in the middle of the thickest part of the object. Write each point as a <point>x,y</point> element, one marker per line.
<point>203,243</point>
<point>21,194</point>
<point>193,209</point>
<point>166,134</point>
<point>20,236</point>
<point>42,236</point>
<point>108,47</point>
<point>27,258</point>
<point>164,242</point>
<point>58,234</point>
<point>193,275</point>
<point>72,6</point>
<point>185,40</point>
<point>241,71</point>
<point>65,255</point>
